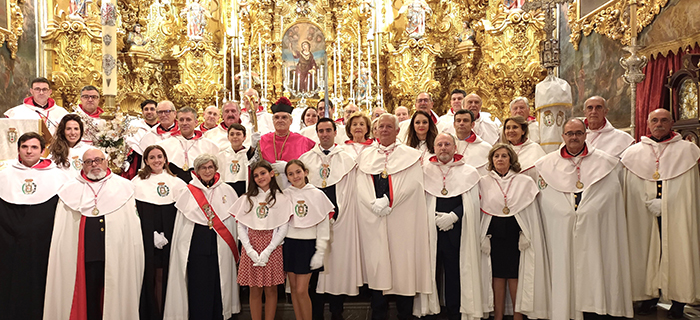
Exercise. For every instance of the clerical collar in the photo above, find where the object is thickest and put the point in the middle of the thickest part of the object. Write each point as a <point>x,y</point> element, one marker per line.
<point>46,106</point>
<point>169,128</point>
<point>667,137</point>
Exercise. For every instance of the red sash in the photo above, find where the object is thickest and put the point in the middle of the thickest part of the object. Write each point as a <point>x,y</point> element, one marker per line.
<point>219,226</point>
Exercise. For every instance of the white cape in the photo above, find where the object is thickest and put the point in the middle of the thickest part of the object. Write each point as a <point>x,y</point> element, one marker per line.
<point>609,139</point>
<point>220,196</point>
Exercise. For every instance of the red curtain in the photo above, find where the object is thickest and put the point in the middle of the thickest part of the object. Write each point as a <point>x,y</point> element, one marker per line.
<point>651,93</point>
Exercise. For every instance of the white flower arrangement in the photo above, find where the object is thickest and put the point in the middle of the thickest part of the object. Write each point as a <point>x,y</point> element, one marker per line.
<point>109,136</point>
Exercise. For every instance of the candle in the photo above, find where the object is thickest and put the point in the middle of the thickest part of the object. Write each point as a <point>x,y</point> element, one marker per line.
<point>340,65</point>
<point>281,27</point>
<point>352,66</point>
<point>224,49</point>
<point>335,69</point>
<point>260,60</point>
<point>250,70</point>
<point>233,69</point>
<point>265,92</point>
<point>369,73</point>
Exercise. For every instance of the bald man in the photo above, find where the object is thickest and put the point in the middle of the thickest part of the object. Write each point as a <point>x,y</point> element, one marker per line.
<point>600,132</point>
<point>347,112</point>
<point>483,126</point>
<point>211,119</point>
<point>520,106</point>
<point>402,114</point>
<point>662,187</point>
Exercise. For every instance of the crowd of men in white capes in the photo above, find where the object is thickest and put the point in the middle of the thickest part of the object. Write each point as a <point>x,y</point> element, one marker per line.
<point>462,216</point>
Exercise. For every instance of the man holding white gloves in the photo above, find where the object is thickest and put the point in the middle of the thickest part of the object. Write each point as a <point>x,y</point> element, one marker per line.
<point>392,210</point>
<point>452,196</point>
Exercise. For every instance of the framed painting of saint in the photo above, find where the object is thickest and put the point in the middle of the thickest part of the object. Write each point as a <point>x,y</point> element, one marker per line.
<point>304,59</point>
<point>5,15</point>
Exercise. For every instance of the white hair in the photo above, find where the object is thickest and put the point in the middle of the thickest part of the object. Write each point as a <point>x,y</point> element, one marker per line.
<point>518,99</point>
<point>391,116</point>
<point>203,159</point>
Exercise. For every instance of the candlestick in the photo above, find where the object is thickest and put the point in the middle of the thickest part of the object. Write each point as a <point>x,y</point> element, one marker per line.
<point>250,71</point>
<point>265,91</point>
<point>109,57</point>
<point>352,67</point>
<point>369,72</point>
<point>260,60</point>
<point>224,49</point>
<point>335,69</point>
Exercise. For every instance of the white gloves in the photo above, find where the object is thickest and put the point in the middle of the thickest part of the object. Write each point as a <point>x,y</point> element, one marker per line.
<point>254,139</point>
<point>523,242</point>
<point>159,240</point>
<point>381,207</point>
<point>262,259</point>
<point>445,221</point>
<point>486,244</point>
<point>654,207</point>
<point>316,260</point>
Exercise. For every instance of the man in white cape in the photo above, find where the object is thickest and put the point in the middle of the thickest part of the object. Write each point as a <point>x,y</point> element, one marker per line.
<point>332,170</point>
<point>28,202</point>
<point>231,114</point>
<point>167,127</point>
<point>583,214</point>
<point>393,222</point>
<point>39,106</point>
<point>469,144</point>
<point>193,236</point>
<point>600,133</point>
<point>482,125</point>
<point>452,197</point>
<point>183,148</point>
<point>96,261</point>
<point>662,188</point>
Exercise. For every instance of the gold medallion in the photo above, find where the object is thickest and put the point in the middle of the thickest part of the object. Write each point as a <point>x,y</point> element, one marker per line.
<point>276,173</point>
<point>323,184</point>
<point>185,167</point>
<point>506,210</point>
<point>384,174</point>
<point>579,184</point>
<point>444,191</point>
<point>95,211</point>
<point>656,175</point>
<point>211,224</point>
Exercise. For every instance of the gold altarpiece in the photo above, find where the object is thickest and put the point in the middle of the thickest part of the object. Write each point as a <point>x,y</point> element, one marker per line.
<point>477,45</point>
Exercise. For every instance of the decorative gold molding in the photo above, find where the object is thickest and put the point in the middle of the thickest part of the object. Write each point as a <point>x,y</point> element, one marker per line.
<point>15,23</point>
<point>662,49</point>
<point>611,20</point>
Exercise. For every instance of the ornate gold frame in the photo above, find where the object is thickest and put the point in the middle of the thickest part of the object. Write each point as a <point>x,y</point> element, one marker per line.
<point>15,20</point>
<point>612,19</point>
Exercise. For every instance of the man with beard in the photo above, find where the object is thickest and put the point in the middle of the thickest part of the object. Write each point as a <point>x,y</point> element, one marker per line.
<point>39,106</point>
<point>143,126</point>
<point>332,170</point>
<point>662,187</point>
<point>452,194</point>
<point>211,119</point>
<point>27,206</point>
<point>392,209</point>
<point>96,261</point>
<point>183,148</point>
<point>168,126</point>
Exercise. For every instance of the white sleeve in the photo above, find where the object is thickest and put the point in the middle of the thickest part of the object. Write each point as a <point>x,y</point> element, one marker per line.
<point>243,236</point>
<point>278,236</point>
<point>323,235</point>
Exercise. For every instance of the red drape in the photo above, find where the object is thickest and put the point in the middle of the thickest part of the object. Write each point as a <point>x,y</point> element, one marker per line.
<point>651,93</point>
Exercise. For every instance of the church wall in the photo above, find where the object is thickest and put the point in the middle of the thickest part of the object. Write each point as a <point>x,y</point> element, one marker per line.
<point>15,74</point>
<point>594,70</point>
<point>675,26</point>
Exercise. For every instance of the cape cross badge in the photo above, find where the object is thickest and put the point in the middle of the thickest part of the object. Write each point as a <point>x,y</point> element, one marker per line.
<point>163,189</point>
<point>28,187</point>
<point>235,167</point>
<point>325,171</point>
<point>548,118</point>
<point>210,215</point>
<point>12,135</point>
<point>76,163</point>
<point>301,209</point>
<point>541,183</point>
<point>262,210</point>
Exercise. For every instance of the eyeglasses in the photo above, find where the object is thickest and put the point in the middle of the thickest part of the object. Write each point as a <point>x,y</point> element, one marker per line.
<point>96,161</point>
<point>88,97</point>
<point>424,100</point>
<point>577,133</point>
<point>41,90</point>
<point>162,112</point>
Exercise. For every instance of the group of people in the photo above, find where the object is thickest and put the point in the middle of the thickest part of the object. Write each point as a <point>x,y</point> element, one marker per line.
<point>455,215</point>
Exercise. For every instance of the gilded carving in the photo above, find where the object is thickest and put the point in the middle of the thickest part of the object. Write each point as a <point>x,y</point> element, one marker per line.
<point>13,30</point>
<point>611,20</point>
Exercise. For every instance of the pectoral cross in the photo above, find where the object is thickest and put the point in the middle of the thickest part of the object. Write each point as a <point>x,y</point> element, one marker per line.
<point>549,48</point>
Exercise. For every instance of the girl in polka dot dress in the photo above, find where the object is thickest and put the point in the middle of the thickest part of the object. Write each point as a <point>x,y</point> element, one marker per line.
<point>262,214</point>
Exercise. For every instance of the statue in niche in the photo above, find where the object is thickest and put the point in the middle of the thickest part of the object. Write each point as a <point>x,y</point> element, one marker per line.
<point>245,77</point>
<point>197,16</point>
<point>306,66</point>
<point>135,38</point>
<point>513,4</point>
<point>364,78</point>
<point>467,37</point>
<point>417,14</point>
<point>78,9</point>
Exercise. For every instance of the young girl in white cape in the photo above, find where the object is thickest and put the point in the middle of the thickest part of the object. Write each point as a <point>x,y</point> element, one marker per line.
<point>308,236</point>
<point>262,215</point>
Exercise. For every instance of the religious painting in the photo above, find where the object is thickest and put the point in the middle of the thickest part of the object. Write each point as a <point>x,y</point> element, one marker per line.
<point>16,73</point>
<point>304,60</point>
<point>594,69</point>
<point>513,4</point>
<point>5,15</point>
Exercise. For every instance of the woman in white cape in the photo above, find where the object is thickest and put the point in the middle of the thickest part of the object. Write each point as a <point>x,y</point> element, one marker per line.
<point>67,148</point>
<point>512,239</point>
<point>202,279</point>
<point>516,133</point>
